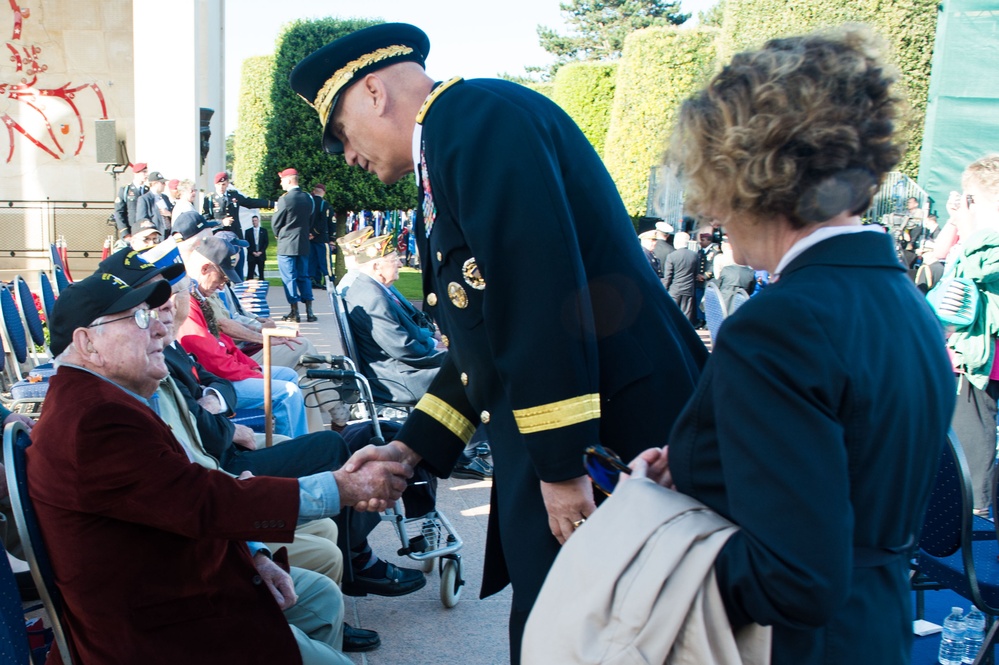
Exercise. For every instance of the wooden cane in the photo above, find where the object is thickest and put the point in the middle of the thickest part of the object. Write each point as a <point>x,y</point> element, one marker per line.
<point>268,334</point>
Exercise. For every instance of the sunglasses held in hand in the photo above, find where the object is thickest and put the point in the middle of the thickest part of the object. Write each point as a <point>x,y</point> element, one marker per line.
<point>604,467</point>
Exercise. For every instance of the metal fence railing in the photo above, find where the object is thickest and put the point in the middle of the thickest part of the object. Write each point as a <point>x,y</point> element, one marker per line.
<point>28,228</point>
<point>665,197</point>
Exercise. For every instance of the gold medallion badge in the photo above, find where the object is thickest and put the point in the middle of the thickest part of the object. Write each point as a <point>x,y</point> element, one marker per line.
<point>457,295</point>
<point>473,276</point>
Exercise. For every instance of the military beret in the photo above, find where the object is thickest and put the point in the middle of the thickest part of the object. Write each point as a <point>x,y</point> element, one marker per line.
<point>324,75</point>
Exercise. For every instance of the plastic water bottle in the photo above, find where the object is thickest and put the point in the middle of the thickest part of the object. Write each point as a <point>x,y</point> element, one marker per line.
<point>974,634</point>
<point>952,639</point>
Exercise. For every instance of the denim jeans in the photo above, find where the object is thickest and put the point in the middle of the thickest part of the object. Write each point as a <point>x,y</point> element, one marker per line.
<point>295,276</point>
<point>287,403</point>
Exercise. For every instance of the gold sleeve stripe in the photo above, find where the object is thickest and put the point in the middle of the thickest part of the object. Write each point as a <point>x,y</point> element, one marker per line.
<point>443,413</point>
<point>558,414</point>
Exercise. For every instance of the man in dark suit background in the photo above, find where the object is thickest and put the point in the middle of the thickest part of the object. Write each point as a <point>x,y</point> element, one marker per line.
<point>680,276</point>
<point>256,250</point>
<point>291,223</point>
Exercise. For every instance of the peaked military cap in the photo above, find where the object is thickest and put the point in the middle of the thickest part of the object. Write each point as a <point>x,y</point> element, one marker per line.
<point>324,75</point>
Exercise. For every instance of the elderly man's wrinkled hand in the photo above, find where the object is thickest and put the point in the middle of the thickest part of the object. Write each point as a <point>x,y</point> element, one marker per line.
<point>278,582</point>
<point>374,485</point>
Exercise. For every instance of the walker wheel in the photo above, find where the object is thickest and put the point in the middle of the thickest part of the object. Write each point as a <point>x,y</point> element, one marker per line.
<point>451,582</point>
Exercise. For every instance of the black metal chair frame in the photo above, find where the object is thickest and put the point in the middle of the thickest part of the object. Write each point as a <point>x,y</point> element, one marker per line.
<point>962,537</point>
<point>15,444</point>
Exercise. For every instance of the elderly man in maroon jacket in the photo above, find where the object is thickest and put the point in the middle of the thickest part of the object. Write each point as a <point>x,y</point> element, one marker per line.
<point>148,548</point>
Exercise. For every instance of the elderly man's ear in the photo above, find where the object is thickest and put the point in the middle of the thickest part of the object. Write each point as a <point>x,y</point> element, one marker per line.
<point>84,345</point>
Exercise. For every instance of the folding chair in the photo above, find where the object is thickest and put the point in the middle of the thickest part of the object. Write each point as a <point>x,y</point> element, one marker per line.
<point>14,338</point>
<point>29,317</point>
<point>60,278</point>
<point>349,347</point>
<point>15,445</point>
<point>738,300</point>
<point>714,309</point>
<point>48,294</point>
<point>958,550</point>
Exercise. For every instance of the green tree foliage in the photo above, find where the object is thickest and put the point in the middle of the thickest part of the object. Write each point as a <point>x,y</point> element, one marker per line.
<point>254,117</point>
<point>291,131</point>
<point>713,16</point>
<point>230,151</point>
<point>660,68</point>
<point>585,90</point>
<point>598,28</point>
<point>909,27</point>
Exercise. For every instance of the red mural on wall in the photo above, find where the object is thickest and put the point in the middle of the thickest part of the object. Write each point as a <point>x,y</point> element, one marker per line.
<point>25,90</point>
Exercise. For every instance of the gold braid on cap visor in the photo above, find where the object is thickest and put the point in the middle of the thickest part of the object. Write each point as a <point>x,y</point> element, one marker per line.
<point>326,95</point>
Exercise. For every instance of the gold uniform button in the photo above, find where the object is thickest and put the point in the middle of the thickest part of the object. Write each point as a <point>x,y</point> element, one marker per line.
<point>464,379</point>
<point>484,417</point>
<point>431,299</point>
<point>440,257</point>
<point>445,340</point>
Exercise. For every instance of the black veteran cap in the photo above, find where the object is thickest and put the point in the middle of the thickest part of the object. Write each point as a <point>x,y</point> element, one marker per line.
<point>81,303</point>
<point>135,269</point>
<point>189,224</point>
<point>322,77</point>
<point>220,252</point>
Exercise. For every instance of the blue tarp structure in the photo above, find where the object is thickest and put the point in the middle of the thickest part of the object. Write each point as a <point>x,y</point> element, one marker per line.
<point>962,116</point>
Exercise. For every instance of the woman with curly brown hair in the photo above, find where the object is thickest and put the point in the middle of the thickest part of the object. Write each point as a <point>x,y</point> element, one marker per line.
<point>812,428</point>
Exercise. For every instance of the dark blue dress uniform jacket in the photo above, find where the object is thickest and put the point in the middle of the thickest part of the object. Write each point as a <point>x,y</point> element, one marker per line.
<point>560,333</point>
<point>817,427</point>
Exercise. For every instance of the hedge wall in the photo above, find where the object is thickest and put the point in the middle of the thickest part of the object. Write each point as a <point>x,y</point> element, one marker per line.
<point>250,146</point>
<point>586,91</point>
<point>546,88</point>
<point>289,130</point>
<point>909,26</point>
<point>660,68</point>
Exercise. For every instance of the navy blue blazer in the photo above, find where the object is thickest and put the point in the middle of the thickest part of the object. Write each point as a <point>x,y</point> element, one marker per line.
<point>817,427</point>
<point>560,332</point>
<point>398,355</point>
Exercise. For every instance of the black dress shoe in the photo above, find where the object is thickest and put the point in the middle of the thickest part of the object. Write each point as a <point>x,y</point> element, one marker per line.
<point>396,582</point>
<point>472,468</point>
<point>359,639</point>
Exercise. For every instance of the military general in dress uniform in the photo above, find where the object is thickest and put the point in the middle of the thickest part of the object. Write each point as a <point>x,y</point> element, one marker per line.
<point>560,334</point>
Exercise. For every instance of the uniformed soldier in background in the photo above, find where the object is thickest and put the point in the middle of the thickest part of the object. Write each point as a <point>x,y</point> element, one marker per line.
<point>322,237</point>
<point>560,336</point>
<point>128,195</point>
<point>223,206</point>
